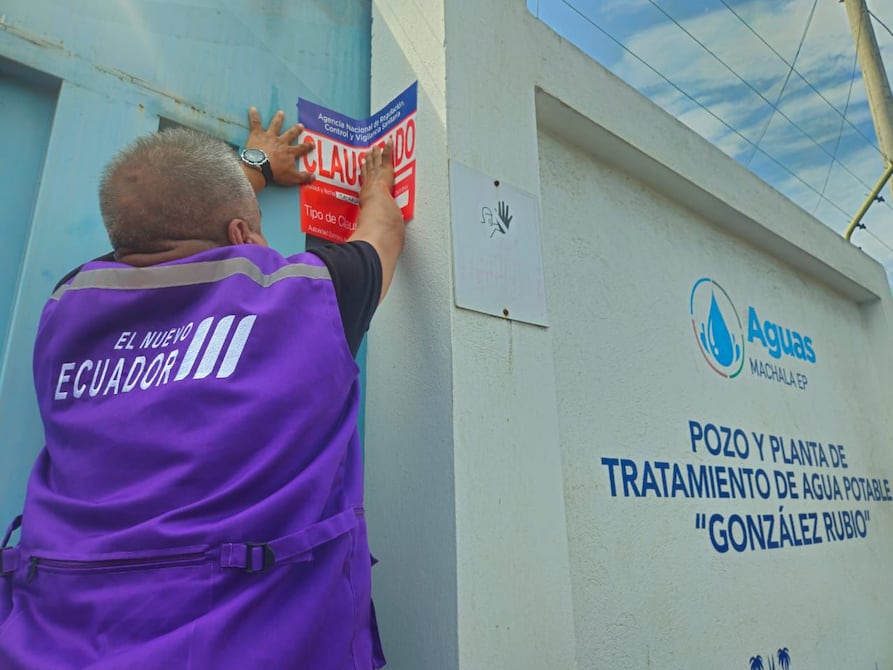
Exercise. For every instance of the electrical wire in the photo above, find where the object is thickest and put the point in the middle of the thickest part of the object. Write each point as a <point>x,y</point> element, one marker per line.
<point>845,109</point>
<point>786,80</point>
<point>737,132</point>
<point>763,97</point>
<point>843,115</point>
<point>874,16</point>
<point>821,194</point>
<point>815,90</point>
<point>880,241</point>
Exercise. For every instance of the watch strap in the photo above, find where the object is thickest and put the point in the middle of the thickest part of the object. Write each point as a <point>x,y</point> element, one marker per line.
<point>267,172</point>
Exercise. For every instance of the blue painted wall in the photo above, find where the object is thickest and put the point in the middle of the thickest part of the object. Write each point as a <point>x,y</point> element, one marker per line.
<point>78,80</point>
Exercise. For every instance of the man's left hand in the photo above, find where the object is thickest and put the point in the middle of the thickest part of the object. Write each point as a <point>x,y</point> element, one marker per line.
<point>283,155</point>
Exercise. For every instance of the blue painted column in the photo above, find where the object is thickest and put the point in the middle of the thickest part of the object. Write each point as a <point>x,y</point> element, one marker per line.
<point>65,226</point>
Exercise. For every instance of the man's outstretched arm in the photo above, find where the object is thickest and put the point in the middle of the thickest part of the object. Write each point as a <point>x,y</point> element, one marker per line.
<point>380,222</point>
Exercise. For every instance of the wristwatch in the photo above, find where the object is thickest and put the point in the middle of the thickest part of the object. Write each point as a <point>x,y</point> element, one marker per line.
<point>258,160</point>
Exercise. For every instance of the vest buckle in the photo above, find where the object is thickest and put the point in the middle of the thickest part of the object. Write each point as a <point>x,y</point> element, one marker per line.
<point>258,557</point>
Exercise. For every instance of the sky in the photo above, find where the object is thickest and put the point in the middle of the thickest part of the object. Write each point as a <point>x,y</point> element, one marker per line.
<point>724,68</point>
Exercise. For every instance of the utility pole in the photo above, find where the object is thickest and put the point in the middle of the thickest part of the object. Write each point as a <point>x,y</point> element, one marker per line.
<point>880,99</point>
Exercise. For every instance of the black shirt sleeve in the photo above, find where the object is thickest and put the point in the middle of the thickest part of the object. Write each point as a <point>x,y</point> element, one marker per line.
<point>110,256</point>
<point>356,276</point>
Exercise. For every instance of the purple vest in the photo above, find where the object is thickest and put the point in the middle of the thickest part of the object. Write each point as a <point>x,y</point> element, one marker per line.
<point>199,500</point>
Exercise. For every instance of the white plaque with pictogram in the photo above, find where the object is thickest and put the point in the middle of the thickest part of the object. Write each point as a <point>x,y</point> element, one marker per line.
<point>497,254</point>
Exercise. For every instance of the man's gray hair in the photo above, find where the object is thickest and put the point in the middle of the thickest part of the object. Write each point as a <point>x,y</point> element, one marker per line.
<point>177,184</point>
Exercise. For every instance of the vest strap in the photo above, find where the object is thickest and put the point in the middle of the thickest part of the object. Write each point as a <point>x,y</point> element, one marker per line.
<point>248,556</point>
<point>16,523</point>
<point>10,556</point>
<point>9,560</point>
<point>259,556</point>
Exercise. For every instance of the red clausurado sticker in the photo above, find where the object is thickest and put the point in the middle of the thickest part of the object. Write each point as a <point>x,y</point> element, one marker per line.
<point>330,204</point>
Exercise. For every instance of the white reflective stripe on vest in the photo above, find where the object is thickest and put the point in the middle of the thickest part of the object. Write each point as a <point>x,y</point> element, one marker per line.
<point>168,276</point>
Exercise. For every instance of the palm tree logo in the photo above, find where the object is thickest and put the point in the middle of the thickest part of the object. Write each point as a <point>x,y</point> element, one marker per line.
<point>784,658</point>
<point>784,661</point>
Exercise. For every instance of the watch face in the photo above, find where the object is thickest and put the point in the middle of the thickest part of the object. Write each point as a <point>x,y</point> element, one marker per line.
<point>254,156</point>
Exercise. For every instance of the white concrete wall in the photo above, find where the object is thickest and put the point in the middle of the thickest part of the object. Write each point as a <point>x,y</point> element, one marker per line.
<point>490,505</point>
<point>409,420</point>
<point>648,586</point>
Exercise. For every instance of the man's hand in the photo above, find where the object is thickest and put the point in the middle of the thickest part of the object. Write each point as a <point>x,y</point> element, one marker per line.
<point>278,146</point>
<point>380,222</point>
<point>378,172</point>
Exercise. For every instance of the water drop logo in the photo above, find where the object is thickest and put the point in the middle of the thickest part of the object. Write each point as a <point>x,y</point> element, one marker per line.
<point>717,327</point>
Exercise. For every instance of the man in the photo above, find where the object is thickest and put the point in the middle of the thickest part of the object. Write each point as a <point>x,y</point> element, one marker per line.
<point>198,503</point>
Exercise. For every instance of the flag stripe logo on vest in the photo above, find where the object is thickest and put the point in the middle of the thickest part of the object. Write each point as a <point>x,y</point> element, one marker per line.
<point>212,353</point>
<point>101,377</point>
<point>194,347</point>
<point>236,347</point>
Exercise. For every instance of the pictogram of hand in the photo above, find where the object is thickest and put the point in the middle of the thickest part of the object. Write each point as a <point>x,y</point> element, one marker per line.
<point>504,217</point>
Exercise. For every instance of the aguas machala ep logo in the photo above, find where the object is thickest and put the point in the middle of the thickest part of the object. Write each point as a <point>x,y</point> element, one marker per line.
<point>723,338</point>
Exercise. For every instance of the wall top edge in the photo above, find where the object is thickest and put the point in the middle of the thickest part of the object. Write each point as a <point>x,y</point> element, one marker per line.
<point>790,234</point>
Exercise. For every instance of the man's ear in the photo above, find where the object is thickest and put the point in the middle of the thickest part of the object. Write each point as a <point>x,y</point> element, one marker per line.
<point>239,232</point>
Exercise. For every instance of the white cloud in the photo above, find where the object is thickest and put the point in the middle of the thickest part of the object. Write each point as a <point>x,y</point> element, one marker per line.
<point>803,132</point>
<point>613,8</point>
